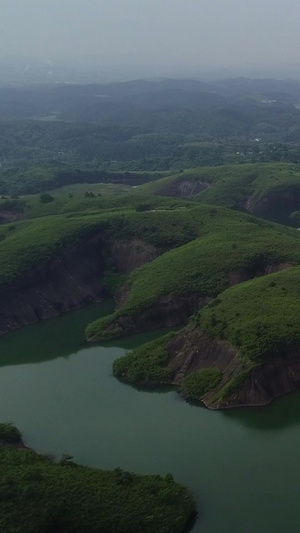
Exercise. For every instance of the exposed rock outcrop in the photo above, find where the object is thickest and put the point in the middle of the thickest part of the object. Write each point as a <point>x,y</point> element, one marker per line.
<point>237,277</point>
<point>72,280</point>
<point>276,205</point>
<point>168,311</point>
<point>265,383</point>
<point>129,255</point>
<point>10,216</point>
<point>192,350</point>
<point>185,188</point>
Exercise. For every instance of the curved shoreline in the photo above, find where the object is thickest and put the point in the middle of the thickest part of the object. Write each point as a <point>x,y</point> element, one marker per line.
<point>170,505</point>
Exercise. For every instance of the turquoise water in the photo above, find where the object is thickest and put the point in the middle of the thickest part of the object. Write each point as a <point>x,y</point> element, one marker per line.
<point>243,466</point>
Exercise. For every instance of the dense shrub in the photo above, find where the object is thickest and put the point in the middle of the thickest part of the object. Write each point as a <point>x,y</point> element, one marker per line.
<point>234,386</point>
<point>146,364</point>
<point>37,495</point>
<point>195,385</point>
<point>261,316</point>
<point>46,198</point>
<point>143,207</point>
<point>9,433</point>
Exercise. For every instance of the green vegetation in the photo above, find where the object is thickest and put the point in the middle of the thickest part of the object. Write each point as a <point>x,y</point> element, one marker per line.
<point>164,229</point>
<point>25,245</point>
<point>195,385</point>
<point>165,170</point>
<point>206,248</point>
<point>233,247</point>
<point>295,218</point>
<point>46,198</point>
<point>9,433</point>
<point>242,187</point>
<point>146,364</point>
<point>162,167</point>
<point>73,199</point>
<point>232,185</point>
<point>32,178</point>
<point>39,496</point>
<point>146,126</point>
<point>235,384</point>
<point>12,205</point>
<point>260,316</point>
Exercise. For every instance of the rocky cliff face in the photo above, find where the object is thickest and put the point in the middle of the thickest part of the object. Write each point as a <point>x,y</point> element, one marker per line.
<point>167,312</point>
<point>185,188</point>
<point>266,383</point>
<point>192,350</point>
<point>129,255</point>
<point>72,280</point>
<point>277,205</point>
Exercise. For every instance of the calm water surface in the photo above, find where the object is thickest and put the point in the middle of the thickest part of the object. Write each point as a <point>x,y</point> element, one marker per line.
<point>243,466</point>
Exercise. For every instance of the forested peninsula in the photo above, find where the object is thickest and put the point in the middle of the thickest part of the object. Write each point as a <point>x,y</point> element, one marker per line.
<point>39,495</point>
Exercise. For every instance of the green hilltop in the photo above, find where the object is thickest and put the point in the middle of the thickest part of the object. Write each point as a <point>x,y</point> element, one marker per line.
<point>25,245</point>
<point>239,186</point>
<point>201,250</point>
<point>231,247</point>
<point>260,317</point>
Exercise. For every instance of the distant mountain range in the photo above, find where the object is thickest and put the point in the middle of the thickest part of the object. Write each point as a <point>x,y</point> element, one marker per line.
<point>19,71</point>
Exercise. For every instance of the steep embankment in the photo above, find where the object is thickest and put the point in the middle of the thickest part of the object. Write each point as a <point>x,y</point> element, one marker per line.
<point>54,264</point>
<point>73,279</point>
<point>242,349</point>
<point>38,495</point>
<point>77,277</point>
<point>268,190</point>
<point>48,267</point>
<point>184,188</point>
<point>233,248</point>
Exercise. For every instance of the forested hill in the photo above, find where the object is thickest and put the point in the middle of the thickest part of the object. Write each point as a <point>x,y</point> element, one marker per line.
<point>147,126</point>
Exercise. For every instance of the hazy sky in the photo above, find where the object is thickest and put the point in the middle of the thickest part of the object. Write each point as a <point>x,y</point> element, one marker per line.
<point>205,33</point>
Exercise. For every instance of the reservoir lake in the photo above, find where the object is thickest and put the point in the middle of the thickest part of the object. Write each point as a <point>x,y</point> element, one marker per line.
<point>242,465</point>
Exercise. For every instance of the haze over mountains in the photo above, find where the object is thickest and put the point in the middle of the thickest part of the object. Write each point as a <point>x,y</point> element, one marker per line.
<point>188,93</point>
<point>26,70</point>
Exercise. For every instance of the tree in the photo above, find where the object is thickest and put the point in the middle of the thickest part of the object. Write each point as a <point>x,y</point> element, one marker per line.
<point>46,198</point>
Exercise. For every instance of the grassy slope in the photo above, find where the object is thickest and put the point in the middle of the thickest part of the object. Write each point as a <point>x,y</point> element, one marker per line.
<point>39,496</point>
<point>116,200</point>
<point>146,364</point>
<point>230,242</point>
<point>231,185</point>
<point>25,245</point>
<point>30,178</point>
<point>71,199</point>
<point>260,317</point>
